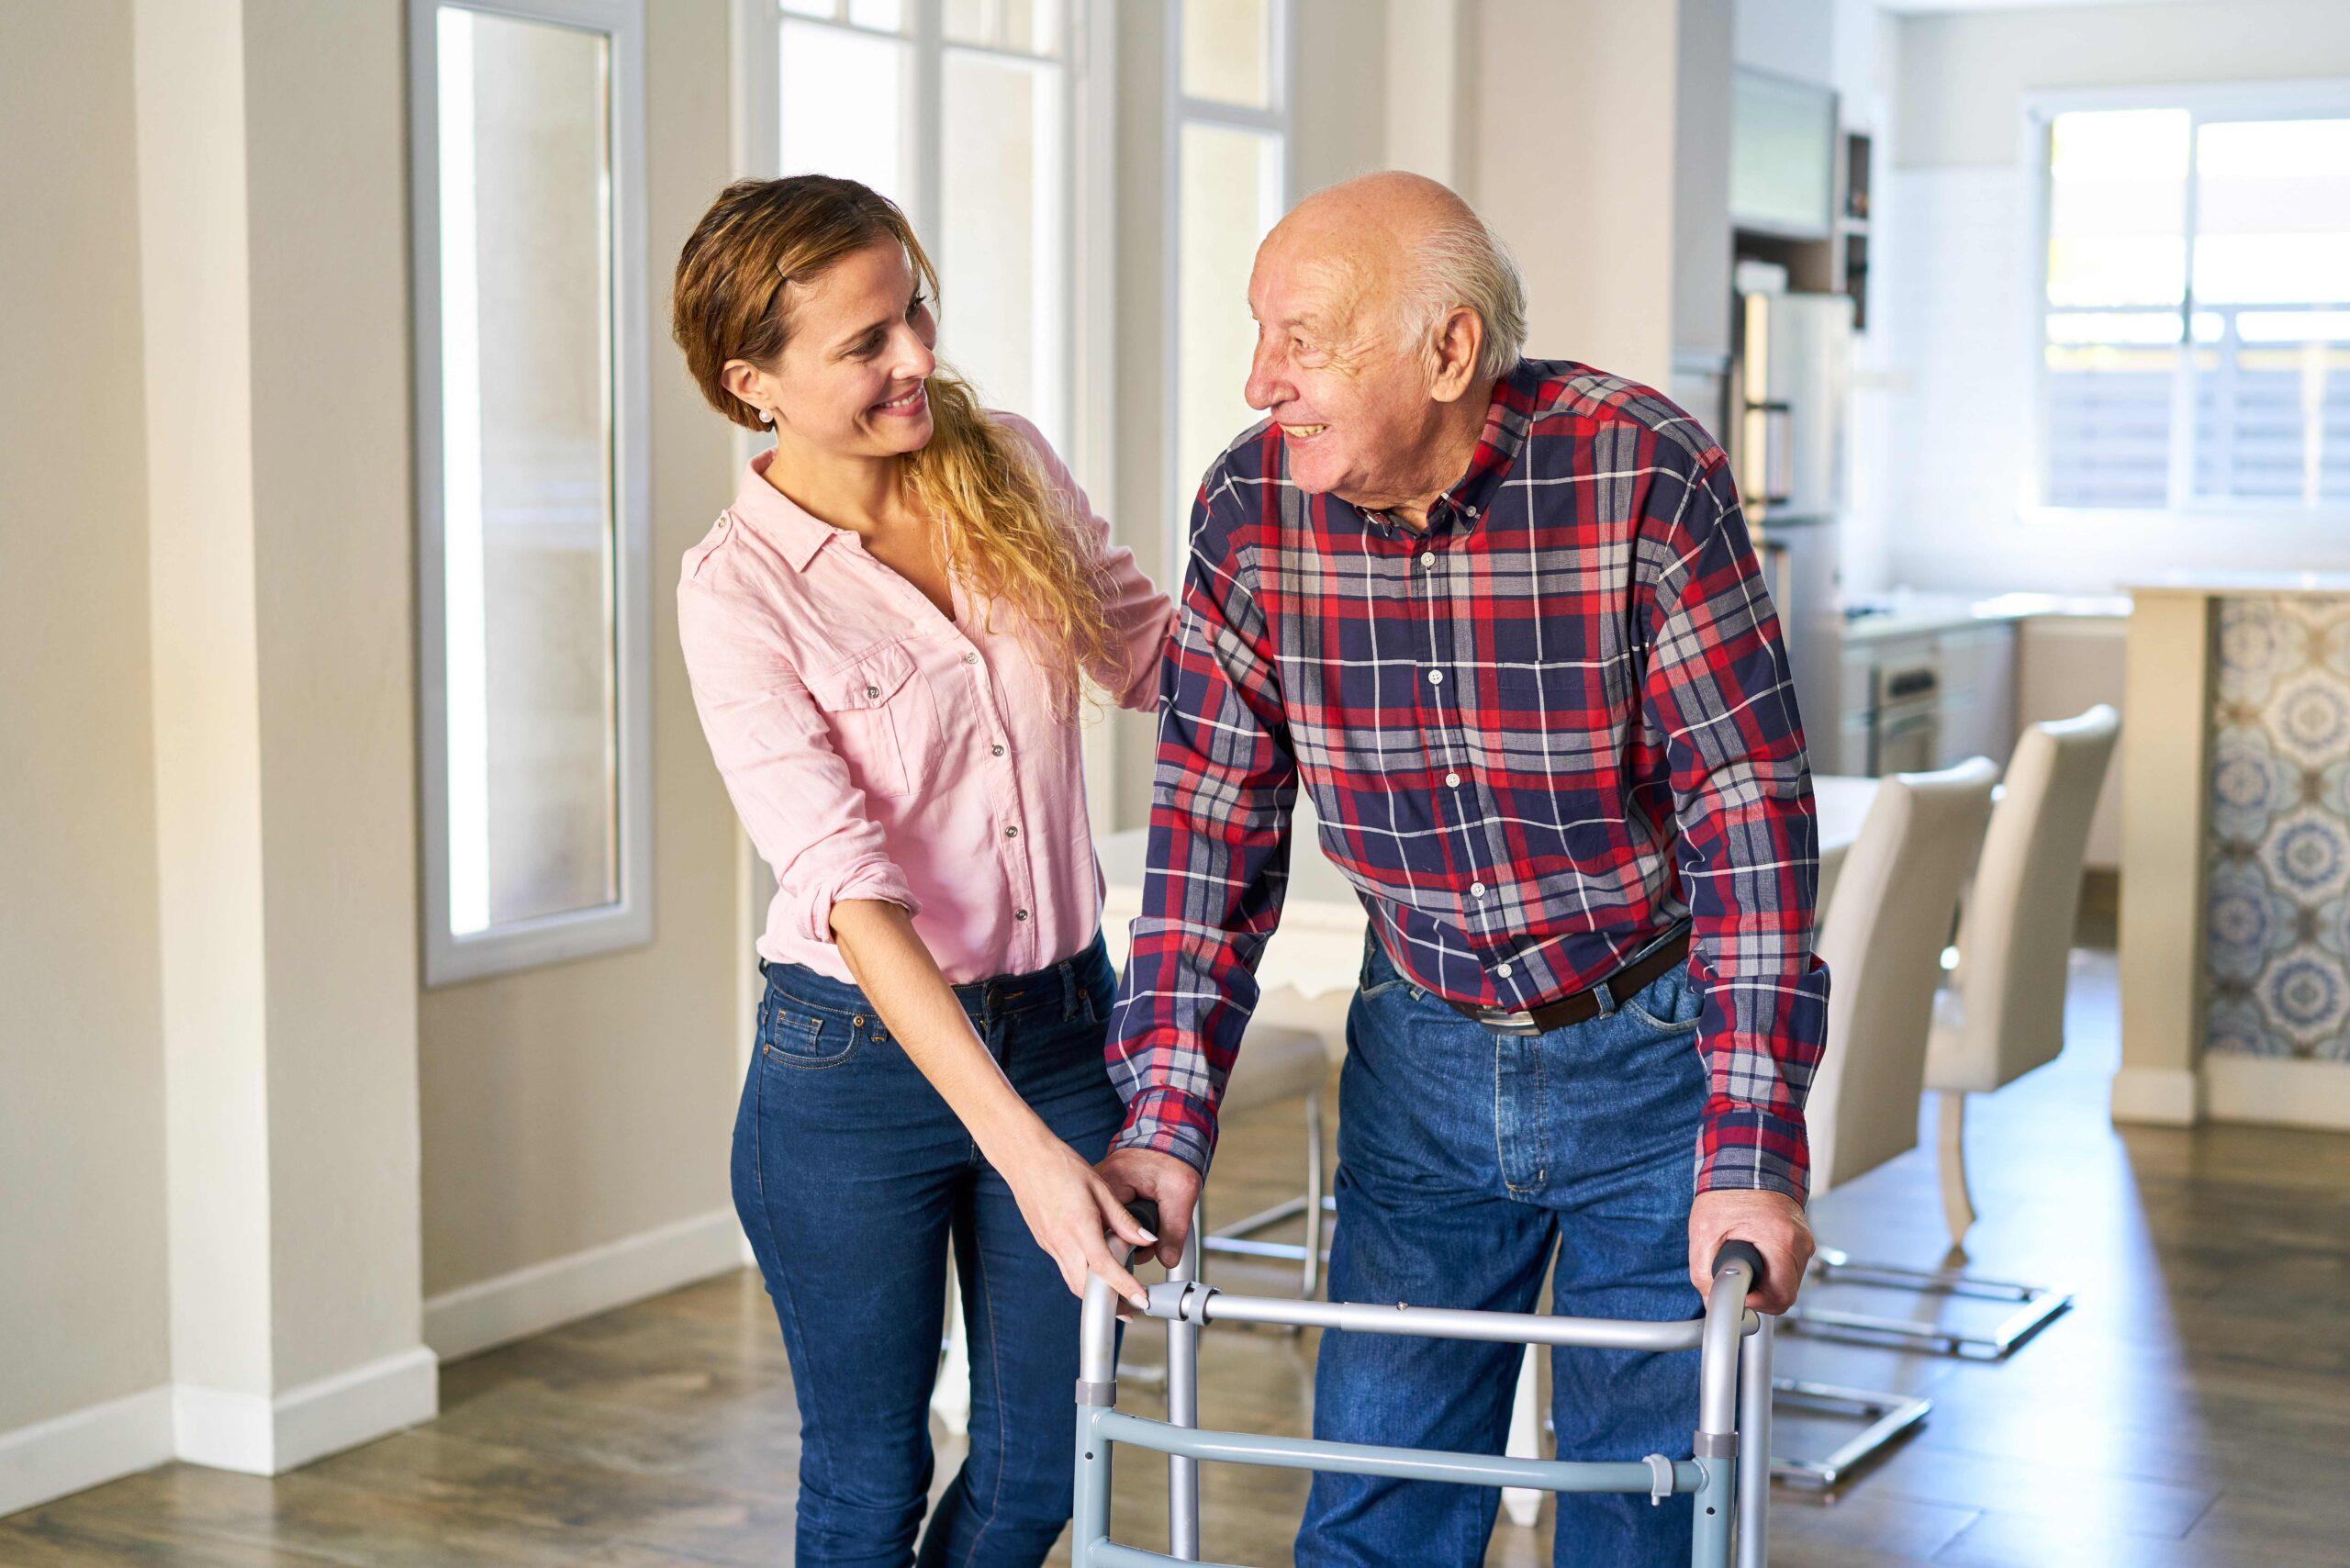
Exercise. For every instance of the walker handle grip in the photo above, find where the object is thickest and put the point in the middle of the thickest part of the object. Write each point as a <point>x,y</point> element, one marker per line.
<point>1146,1212</point>
<point>1737,1251</point>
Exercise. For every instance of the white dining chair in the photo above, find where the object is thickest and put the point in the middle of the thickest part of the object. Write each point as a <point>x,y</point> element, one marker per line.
<point>2000,1015</point>
<point>1882,941</point>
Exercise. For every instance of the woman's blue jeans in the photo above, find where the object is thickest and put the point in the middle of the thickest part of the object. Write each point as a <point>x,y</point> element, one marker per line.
<point>1465,1159</point>
<point>850,1173</point>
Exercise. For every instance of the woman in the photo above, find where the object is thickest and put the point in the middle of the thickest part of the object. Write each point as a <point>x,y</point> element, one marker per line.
<point>885,634</point>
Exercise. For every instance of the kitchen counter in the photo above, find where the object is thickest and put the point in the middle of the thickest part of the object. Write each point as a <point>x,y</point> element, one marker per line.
<point>1905,613</point>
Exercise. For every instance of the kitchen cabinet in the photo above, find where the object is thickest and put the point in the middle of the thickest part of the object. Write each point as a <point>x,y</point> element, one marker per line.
<point>1978,694</point>
<point>1782,156</point>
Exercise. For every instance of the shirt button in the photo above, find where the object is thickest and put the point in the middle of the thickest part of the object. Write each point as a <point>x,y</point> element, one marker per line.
<point>1504,970</point>
<point>995,751</point>
<point>1019,914</point>
<point>1477,889</point>
<point>1453,779</point>
<point>970,658</point>
<point>1427,557</point>
<point>1435,677</point>
<point>873,691</point>
<point>1012,833</point>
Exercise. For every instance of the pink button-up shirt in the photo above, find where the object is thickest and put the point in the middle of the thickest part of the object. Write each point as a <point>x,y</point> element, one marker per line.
<point>875,749</point>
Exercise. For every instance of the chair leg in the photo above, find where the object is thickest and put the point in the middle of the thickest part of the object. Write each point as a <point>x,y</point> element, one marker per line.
<point>1311,1284</point>
<point>1887,1418</point>
<point>2035,1307</point>
<point>1958,1206</point>
<point>1524,1504</point>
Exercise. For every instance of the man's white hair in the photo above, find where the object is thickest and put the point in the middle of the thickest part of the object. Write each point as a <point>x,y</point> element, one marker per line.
<point>1460,264</point>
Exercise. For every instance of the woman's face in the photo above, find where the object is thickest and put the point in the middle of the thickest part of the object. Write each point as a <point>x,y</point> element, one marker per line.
<point>855,360</point>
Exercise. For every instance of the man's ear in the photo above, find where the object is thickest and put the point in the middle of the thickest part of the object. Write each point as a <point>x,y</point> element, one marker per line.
<point>1458,342</point>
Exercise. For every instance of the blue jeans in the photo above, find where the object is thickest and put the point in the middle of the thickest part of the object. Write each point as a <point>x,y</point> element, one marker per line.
<point>1465,1158</point>
<point>849,1174</point>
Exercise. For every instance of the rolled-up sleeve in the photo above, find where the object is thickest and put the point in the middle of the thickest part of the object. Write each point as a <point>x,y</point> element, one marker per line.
<point>807,817</point>
<point>1140,617</point>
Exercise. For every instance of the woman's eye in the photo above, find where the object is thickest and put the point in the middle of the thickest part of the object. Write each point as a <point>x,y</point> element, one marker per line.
<point>913,307</point>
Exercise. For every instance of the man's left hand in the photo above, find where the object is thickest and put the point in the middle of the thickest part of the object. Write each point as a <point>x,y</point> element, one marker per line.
<point>1771,1221</point>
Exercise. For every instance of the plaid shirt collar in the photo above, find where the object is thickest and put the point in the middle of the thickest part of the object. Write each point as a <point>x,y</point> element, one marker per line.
<point>1498,444</point>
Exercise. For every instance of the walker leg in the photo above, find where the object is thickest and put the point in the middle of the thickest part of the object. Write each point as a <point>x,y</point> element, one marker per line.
<point>1183,1409</point>
<point>1709,1544</point>
<point>1754,1446</point>
<point>1524,1504</point>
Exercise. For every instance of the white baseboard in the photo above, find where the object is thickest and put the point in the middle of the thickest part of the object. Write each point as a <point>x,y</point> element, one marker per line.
<point>2276,1091</point>
<point>84,1447</point>
<point>547,1295</point>
<point>264,1436</point>
<point>2162,1097</point>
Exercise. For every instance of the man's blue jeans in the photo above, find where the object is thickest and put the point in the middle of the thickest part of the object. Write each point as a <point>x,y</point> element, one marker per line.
<point>1464,1160</point>
<point>850,1173</point>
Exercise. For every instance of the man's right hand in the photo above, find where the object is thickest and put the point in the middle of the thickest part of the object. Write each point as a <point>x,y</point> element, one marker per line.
<point>1165,1181</point>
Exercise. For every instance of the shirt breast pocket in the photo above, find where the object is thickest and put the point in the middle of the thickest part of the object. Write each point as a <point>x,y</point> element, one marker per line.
<point>876,703</point>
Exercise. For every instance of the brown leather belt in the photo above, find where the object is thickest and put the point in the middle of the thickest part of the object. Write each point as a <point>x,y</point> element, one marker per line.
<point>1578,1006</point>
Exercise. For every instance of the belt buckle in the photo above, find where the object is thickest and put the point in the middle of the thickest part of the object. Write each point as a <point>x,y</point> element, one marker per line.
<point>1501,1023</point>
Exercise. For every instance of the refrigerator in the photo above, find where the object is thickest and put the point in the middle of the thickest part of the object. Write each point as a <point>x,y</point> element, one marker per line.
<point>1789,391</point>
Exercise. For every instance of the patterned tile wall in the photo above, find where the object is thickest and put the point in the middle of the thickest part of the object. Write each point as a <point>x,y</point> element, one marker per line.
<point>2277,947</point>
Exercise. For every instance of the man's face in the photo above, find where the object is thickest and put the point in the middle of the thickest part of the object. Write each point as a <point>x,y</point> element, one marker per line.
<point>1351,398</point>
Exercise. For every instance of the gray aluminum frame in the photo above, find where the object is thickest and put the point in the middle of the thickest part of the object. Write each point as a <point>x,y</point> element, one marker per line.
<point>1734,1376</point>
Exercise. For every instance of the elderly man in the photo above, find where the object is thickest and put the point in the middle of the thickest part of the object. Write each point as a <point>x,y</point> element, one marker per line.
<point>1503,617</point>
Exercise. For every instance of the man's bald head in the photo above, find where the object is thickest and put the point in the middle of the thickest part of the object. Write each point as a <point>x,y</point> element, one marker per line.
<point>1386,312</point>
<point>1411,250</point>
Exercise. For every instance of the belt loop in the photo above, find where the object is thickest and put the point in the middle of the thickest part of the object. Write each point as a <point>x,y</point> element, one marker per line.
<point>1067,968</point>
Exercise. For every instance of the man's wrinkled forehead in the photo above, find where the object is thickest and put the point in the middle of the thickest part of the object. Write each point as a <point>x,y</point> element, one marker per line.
<point>1313,284</point>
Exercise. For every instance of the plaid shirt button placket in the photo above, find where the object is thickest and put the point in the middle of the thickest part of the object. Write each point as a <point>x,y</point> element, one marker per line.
<point>1551,727</point>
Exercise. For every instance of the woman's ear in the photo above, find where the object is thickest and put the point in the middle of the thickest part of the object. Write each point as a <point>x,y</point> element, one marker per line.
<point>742,378</point>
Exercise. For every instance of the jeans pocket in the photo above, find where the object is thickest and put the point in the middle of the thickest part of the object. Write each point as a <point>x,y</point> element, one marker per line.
<point>1379,974</point>
<point>797,1034</point>
<point>1668,1003</point>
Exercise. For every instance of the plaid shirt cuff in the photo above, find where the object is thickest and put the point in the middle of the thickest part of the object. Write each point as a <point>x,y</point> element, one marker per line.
<point>1747,1148</point>
<point>1168,1121</point>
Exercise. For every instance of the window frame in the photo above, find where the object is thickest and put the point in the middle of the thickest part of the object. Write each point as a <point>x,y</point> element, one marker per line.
<point>1281,120</point>
<point>2308,98</point>
<point>449,957</point>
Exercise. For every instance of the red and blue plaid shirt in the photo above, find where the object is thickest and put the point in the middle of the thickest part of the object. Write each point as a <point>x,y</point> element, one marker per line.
<point>1545,729</point>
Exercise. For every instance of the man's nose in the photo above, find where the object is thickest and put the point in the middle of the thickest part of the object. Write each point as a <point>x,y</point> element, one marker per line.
<point>1265,386</point>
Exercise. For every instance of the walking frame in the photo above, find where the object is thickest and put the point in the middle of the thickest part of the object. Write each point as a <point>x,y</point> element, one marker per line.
<point>1734,1387</point>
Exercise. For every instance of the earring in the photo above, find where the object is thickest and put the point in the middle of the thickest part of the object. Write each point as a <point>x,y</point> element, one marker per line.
<point>766,416</point>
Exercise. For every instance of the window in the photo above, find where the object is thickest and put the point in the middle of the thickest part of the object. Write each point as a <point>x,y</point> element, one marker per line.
<point>1231,132</point>
<point>2196,304</point>
<point>527,135</point>
<point>960,111</point>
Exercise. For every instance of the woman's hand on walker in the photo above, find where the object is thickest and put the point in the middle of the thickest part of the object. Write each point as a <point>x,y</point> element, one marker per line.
<point>1073,1213</point>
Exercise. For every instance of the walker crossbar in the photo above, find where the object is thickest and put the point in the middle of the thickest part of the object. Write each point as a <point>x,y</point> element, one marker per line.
<point>1372,1459</point>
<point>1734,1349</point>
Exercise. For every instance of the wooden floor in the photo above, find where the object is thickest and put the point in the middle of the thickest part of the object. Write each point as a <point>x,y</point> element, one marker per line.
<point>2193,1408</point>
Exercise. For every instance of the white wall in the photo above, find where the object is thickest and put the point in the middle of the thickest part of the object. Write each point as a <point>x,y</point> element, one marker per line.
<point>1955,278</point>
<point>84,1317</point>
<point>576,1118</point>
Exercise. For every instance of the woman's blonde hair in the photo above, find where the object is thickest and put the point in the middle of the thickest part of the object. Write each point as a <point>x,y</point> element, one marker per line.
<point>1002,536</point>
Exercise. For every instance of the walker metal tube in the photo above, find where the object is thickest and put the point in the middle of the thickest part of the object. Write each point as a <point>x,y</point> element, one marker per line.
<point>1442,1323</point>
<point>1183,1409</point>
<point>1754,1445</point>
<point>1403,1463</point>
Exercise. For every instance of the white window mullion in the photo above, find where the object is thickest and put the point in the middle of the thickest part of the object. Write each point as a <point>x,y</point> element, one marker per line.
<point>2182,400</point>
<point>928,66</point>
